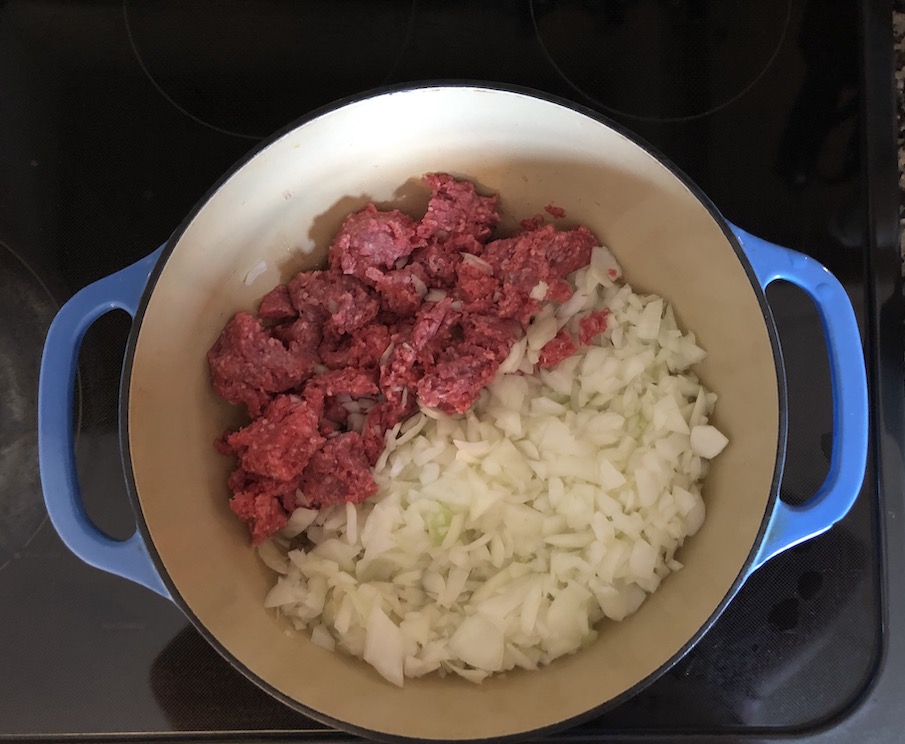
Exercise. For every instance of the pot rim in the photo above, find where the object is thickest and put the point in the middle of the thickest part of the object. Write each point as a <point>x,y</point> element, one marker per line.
<point>169,247</point>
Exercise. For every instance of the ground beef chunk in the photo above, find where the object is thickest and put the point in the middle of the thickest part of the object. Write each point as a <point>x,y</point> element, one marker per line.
<point>569,250</point>
<point>261,509</point>
<point>402,290</point>
<point>560,347</point>
<point>356,383</point>
<point>273,451</point>
<point>279,443</point>
<point>370,238</point>
<point>478,289</point>
<point>399,374</point>
<point>351,308</point>
<point>454,385</point>
<point>379,420</point>
<point>458,367</point>
<point>342,303</point>
<point>554,211</point>
<point>521,262</point>
<point>339,472</point>
<point>277,305</point>
<point>531,223</point>
<point>489,332</point>
<point>439,260</point>
<point>335,418</point>
<point>401,330</point>
<point>516,304</point>
<point>248,366</point>
<point>330,392</point>
<point>302,335</point>
<point>285,492</point>
<point>559,290</point>
<point>308,291</point>
<point>591,325</point>
<point>434,320</point>
<point>455,209</point>
<point>361,349</point>
<point>539,254</point>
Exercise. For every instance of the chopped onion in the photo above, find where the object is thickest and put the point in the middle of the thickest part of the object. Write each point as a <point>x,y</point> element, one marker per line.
<point>707,441</point>
<point>498,538</point>
<point>419,285</point>
<point>255,271</point>
<point>476,261</point>
<point>539,291</point>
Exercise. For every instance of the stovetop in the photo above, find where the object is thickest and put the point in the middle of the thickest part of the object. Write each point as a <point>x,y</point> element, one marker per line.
<point>117,116</point>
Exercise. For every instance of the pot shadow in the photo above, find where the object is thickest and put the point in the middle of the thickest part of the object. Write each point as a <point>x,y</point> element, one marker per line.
<point>531,174</point>
<point>199,690</point>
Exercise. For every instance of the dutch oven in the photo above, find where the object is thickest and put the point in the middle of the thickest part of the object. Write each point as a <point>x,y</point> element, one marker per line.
<point>281,205</point>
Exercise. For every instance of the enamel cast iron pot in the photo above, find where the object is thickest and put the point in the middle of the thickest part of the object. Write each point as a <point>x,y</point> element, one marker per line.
<point>281,206</point>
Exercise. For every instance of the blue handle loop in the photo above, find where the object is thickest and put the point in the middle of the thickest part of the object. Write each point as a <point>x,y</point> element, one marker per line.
<point>791,525</point>
<point>56,446</point>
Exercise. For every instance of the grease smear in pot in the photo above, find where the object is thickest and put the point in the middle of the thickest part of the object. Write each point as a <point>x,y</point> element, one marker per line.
<point>464,453</point>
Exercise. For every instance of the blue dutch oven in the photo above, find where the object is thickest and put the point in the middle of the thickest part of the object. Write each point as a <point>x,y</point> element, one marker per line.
<point>275,212</point>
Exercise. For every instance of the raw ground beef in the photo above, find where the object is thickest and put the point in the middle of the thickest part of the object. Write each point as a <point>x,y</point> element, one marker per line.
<point>248,365</point>
<point>591,325</point>
<point>407,312</point>
<point>560,347</point>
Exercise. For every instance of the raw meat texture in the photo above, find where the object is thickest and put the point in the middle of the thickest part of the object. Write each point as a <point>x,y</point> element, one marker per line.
<point>439,260</point>
<point>402,290</point>
<point>379,420</point>
<point>356,383</point>
<point>342,303</point>
<point>569,250</point>
<point>260,507</point>
<point>277,305</point>
<point>591,325</point>
<point>339,472</point>
<point>456,209</point>
<point>479,290</point>
<point>370,238</point>
<point>279,443</point>
<point>461,359</point>
<point>249,366</point>
<point>360,350</point>
<point>406,313</point>
<point>399,374</point>
<point>560,347</point>
<point>302,335</point>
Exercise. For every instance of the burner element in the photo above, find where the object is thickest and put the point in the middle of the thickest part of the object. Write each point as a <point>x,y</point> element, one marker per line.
<point>666,60</point>
<point>247,69</point>
<point>27,309</point>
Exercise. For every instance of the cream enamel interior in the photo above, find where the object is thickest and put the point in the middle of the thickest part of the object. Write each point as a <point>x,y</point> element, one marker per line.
<point>282,207</point>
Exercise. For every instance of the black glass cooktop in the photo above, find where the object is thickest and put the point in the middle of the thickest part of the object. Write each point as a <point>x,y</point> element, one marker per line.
<point>115,117</point>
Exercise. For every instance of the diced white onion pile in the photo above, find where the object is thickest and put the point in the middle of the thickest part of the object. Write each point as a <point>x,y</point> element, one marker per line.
<point>499,538</point>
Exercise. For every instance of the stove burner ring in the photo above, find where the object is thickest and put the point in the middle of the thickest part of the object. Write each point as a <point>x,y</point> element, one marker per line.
<point>27,308</point>
<point>210,68</point>
<point>577,59</point>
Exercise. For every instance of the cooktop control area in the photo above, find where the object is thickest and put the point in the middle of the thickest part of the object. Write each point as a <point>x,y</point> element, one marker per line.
<point>118,117</point>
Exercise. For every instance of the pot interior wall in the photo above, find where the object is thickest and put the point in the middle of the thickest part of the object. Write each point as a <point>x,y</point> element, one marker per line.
<point>281,208</point>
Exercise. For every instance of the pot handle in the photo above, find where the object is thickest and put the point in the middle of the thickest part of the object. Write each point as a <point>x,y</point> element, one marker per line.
<point>56,446</point>
<point>791,525</point>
